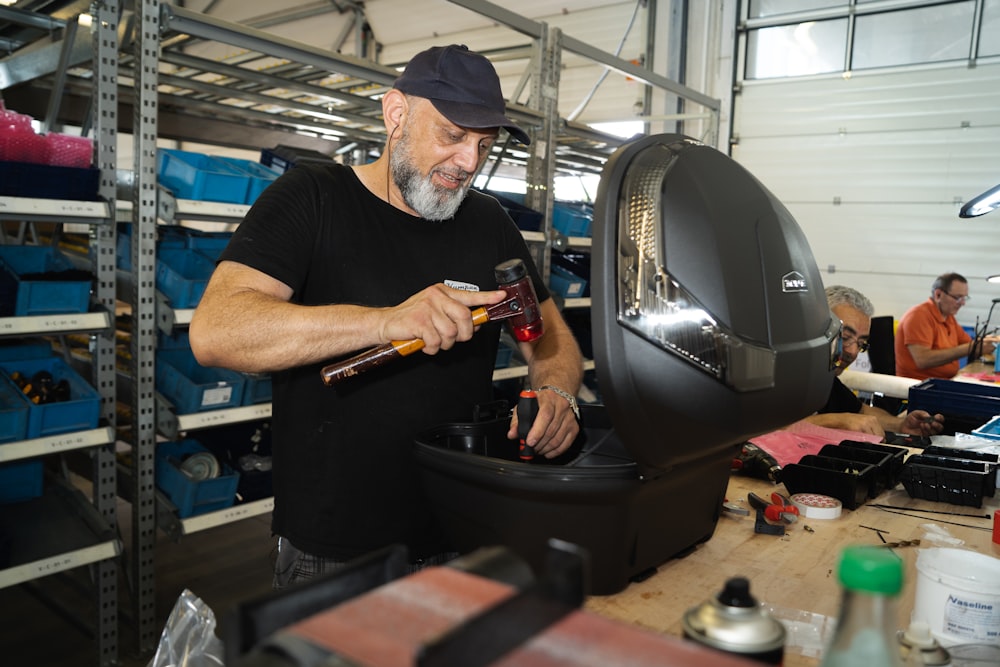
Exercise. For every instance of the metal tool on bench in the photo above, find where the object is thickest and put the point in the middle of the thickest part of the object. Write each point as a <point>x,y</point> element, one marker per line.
<point>520,308</point>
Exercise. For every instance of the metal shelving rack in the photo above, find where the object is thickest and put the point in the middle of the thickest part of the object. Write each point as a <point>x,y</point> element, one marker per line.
<point>283,92</point>
<point>64,529</point>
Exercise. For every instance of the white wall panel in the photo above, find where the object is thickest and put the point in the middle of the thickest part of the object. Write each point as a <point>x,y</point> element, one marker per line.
<point>875,168</point>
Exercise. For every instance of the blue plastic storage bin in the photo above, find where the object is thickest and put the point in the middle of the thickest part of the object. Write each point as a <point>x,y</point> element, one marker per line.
<point>526,219</point>
<point>259,176</point>
<point>167,237</point>
<point>191,387</point>
<point>21,480</point>
<point>209,244</point>
<point>952,397</point>
<point>192,175</point>
<point>80,412</point>
<point>14,407</point>
<point>182,275</point>
<point>192,497</point>
<point>25,290</point>
<point>257,388</point>
<point>504,354</point>
<point>565,283</point>
<point>17,349</point>
<point>572,219</point>
<point>990,429</point>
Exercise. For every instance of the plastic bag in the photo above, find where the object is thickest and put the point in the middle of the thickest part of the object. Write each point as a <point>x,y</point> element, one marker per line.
<point>188,638</point>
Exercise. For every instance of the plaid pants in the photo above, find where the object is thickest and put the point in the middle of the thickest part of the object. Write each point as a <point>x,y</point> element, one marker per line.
<point>293,565</point>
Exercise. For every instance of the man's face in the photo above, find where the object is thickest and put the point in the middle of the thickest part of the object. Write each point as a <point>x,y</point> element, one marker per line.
<point>951,300</point>
<point>854,335</point>
<point>433,161</point>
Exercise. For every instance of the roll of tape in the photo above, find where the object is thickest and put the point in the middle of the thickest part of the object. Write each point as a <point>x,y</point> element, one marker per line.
<point>816,506</point>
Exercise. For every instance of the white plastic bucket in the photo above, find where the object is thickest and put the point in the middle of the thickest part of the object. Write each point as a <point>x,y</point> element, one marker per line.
<point>958,595</point>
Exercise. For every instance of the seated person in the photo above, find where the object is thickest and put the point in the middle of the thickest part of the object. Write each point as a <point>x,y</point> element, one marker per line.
<point>929,341</point>
<point>844,410</point>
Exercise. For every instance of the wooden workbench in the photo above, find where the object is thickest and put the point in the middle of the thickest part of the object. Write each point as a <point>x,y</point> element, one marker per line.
<point>794,572</point>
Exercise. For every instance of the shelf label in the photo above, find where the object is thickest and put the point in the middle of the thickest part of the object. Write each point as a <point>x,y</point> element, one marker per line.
<point>55,444</point>
<point>230,514</point>
<point>58,563</point>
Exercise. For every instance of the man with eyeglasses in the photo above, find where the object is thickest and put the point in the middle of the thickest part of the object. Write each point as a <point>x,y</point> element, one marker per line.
<point>929,341</point>
<point>843,409</point>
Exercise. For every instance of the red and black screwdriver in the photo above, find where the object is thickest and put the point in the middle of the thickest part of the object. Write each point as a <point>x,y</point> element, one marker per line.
<point>527,410</point>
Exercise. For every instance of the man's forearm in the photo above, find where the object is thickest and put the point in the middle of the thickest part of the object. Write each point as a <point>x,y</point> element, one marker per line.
<point>927,358</point>
<point>555,359</point>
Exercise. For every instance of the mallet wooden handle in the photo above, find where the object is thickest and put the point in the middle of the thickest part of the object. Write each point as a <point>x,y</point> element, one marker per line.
<point>379,355</point>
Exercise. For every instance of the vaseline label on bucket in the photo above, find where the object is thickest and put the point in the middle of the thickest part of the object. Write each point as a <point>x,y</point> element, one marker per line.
<point>973,618</point>
<point>958,595</point>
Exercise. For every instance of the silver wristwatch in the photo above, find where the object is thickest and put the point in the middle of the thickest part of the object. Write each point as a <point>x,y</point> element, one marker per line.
<point>565,394</point>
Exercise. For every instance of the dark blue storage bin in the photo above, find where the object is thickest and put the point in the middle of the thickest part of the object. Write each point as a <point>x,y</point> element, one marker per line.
<point>283,158</point>
<point>42,181</point>
<point>192,497</point>
<point>198,176</point>
<point>182,276</point>
<point>20,481</point>
<point>80,412</point>
<point>14,407</point>
<point>40,280</point>
<point>952,397</point>
<point>191,387</point>
<point>526,219</point>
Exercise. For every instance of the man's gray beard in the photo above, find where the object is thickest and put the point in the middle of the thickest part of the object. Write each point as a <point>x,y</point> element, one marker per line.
<point>429,201</point>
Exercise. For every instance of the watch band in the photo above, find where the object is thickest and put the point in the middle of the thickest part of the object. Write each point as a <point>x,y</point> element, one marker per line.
<point>565,394</point>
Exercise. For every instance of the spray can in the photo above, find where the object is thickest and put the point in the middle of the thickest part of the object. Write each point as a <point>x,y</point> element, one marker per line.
<point>733,622</point>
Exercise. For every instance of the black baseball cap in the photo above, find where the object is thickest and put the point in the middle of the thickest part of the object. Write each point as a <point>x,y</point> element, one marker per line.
<point>462,85</point>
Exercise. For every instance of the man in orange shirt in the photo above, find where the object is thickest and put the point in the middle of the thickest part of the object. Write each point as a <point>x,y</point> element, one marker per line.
<point>929,341</point>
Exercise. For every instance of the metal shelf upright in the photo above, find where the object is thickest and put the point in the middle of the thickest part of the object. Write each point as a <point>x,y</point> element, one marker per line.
<point>77,530</point>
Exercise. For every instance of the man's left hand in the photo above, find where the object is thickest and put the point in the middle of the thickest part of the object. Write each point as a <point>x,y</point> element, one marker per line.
<point>555,427</point>
<point>920,422</point>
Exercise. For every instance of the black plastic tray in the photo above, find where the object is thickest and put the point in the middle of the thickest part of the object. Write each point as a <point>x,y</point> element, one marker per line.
<point>991,460</point>
<point>948,480</point>
<point>847,481</point>
<point>898,454</point>
<point>880,480</point>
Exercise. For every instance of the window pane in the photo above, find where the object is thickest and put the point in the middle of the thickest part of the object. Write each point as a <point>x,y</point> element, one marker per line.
<point>927,35</point>
<point>989,38</point>
<point>815,47</point>
<point>760,8</point>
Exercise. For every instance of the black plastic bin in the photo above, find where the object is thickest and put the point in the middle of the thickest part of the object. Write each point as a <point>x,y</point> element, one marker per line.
<point>848,481</point>
<point>948,480</point>
<point>882,461</point>
<point>592,496</point>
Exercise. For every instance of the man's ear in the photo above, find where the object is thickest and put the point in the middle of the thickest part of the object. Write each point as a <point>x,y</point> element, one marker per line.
<point>394,108</point>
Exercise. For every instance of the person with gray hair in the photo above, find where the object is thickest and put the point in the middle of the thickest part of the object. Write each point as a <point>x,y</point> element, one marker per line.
<point>929,341</point>
<point>843,409</point>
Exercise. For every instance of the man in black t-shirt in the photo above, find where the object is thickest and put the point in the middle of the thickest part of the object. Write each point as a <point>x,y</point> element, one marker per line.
<point>843,409</point>
<point>331,260</point>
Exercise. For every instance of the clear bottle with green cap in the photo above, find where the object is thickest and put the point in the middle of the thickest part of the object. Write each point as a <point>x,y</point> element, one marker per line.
<point>871,579</point>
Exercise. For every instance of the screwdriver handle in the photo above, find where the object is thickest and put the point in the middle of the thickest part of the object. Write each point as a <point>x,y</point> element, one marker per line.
<point>527,410</point>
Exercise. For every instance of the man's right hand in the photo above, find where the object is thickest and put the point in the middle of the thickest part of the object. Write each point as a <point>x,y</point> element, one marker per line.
<point>438,315</point>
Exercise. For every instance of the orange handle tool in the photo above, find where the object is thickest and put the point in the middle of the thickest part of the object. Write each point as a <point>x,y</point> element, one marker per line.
<point>382,354</point>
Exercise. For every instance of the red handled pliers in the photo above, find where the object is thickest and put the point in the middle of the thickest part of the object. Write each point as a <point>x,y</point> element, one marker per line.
<point>779,509</point>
